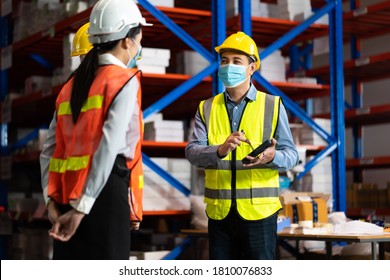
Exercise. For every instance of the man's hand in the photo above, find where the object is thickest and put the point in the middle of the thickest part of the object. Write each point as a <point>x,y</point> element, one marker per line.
<point>66,225</point>
<point>265,157</point>
<point>230,143</point>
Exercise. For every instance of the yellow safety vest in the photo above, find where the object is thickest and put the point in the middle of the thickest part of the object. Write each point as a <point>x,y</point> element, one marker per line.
<point>256,189</point>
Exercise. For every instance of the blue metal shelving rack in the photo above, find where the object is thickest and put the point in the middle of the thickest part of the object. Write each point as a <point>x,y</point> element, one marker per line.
<point>335,140</point>
<point>4,151</point>
<point>356,102</point>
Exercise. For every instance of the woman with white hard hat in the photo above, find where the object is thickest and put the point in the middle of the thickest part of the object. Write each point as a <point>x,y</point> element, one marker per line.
<point>91,161</point>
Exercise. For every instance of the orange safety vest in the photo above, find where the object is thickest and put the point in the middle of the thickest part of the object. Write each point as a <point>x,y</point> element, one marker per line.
<point>77,143</point>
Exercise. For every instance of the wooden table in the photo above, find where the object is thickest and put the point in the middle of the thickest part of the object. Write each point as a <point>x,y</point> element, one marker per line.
<point>328,238</point>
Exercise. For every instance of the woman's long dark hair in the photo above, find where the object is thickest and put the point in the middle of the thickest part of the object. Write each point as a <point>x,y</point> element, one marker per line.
<point>85,73</point>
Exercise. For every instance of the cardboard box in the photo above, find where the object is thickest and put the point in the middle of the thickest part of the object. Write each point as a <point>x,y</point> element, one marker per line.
<point>365,195</point>
<point>314,209</point>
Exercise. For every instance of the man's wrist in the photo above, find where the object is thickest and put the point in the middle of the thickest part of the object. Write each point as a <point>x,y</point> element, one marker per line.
<point>219,155</point>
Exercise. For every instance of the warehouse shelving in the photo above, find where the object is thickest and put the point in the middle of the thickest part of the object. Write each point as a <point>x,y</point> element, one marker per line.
<point>267,30</point>
<point>366,22</point>
<point>184,18</point>
<point>369,162</point>
<point>368,68</point>
<point>365,116</point>
<point>5,9</point>
<point>159,84</point>
<point>314,3</point>
<point>358,24</point>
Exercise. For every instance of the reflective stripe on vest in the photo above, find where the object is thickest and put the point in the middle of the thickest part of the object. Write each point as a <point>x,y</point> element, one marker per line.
<point>93,102</point>
<point>69,164</point>
<point>256,188</point>
<point>242,193</point>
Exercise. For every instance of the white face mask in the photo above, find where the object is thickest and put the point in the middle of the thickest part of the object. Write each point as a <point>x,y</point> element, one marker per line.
<point>133,61</point>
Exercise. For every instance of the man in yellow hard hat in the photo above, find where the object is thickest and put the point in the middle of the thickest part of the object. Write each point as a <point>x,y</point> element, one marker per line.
<point>242,199</point>
<point>81,44</point>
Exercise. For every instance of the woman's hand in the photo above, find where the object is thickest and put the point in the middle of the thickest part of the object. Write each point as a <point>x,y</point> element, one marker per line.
<point>52,212</point>
<point>66,225</point>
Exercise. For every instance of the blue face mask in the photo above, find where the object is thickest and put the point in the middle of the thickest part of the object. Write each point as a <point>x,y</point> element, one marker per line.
<point>232,75</point>
<point>133,60</point>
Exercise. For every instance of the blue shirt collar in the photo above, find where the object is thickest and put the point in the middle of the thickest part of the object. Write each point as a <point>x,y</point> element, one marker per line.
<point>251,94</point>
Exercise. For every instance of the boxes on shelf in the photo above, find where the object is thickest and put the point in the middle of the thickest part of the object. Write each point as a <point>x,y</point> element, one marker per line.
<point>305,206</point>
<point>297,10</point>
<point>309,137</point>
<point>162,3</point>
<point>190,62</point>
<point>273,67</point>
<point>258,9</point>
<point>73,7</point>
<point>363,195</point>
<point>296,132</point>
<point>35,16</point>
<point>321,105</point>
<point>154,60</point>
<point>37,83</point>
<point>319,179</point>
<point>158,193</point>
<point>383,200</point>
<point>35,144</point>
<point>302,80</point>
<point>164,130</point>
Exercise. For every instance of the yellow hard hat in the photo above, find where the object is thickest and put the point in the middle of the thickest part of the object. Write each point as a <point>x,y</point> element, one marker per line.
<point>243,43</point>
<point>81,44</point>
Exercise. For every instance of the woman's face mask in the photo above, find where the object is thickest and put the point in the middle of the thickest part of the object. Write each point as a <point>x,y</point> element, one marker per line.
<point>232,75</point>
<point>133,61</point>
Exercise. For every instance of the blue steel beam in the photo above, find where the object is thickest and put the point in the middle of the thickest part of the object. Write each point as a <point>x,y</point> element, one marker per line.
<point>300,58</point>
<point>179,249</point>
<point>244,8</point>
<point>3,84</point>
<point>24,141</point>
<point>218,17</point>
<point>296,31</point>
<point>356,96</point>
<point>316,159</point>
<point>4,42</point>
<point>165,175</point>
<point>337,105</point>
<point>294,108</point>
<point>191,42</point>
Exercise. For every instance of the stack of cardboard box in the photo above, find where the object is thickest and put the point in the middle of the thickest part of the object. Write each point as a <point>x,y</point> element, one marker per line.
<point>305,206</point>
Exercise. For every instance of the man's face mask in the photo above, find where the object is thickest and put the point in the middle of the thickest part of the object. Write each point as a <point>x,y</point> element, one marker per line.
<point>232,75</point>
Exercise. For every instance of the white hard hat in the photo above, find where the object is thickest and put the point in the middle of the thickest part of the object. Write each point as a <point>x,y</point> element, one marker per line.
<point>111,20</point>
